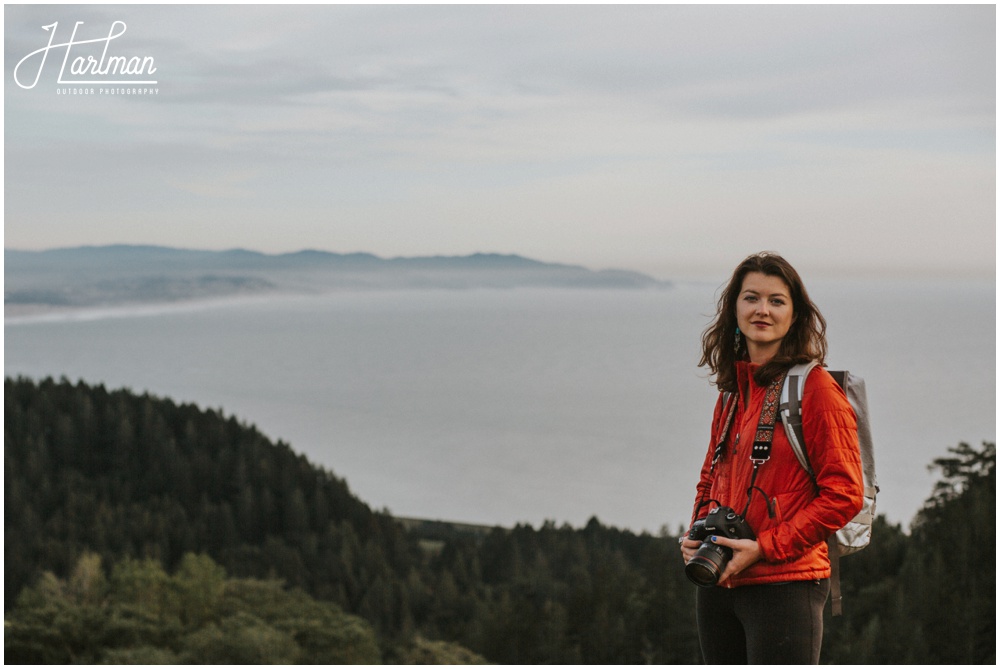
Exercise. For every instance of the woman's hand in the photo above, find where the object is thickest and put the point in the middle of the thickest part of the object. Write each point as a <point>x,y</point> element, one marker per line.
<point>688,548</point>
<point>745,553</point>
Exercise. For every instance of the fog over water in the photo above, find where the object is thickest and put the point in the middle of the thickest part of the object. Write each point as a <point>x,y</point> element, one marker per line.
<point>526,405</point>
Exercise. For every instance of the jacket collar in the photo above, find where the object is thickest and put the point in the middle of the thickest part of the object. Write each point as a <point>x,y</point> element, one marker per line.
<point>745,371</point>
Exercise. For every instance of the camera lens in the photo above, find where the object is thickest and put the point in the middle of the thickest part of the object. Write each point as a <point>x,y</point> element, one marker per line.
<point>706,566</point>
<point>702,572</point>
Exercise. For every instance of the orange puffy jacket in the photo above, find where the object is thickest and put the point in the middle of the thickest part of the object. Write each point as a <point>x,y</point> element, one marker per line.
<point>793,540</point>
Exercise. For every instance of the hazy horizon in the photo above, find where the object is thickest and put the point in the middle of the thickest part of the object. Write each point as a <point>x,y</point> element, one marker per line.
<point>671,140</point>
<point>709,274</point>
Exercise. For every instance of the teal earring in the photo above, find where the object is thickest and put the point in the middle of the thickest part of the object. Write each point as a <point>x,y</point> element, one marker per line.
<point>736,341</point>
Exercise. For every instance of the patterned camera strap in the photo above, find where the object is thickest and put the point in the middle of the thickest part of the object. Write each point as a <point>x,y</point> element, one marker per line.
<point>761,451</point>
<point>731,400</point>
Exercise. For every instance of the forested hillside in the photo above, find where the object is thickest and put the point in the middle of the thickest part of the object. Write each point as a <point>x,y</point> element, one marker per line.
<point>115,502</point>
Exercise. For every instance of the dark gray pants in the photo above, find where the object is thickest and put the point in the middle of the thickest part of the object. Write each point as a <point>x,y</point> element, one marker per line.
<point>762,624</point>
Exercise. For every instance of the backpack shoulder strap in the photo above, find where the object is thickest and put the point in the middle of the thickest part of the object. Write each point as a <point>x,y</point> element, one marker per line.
<point>791,411</point>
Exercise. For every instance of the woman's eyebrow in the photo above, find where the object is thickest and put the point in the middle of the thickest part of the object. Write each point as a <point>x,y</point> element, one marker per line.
<point>755,292</point>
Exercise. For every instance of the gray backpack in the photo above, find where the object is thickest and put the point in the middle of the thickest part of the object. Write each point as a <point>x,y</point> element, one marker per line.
<point>856,534</point>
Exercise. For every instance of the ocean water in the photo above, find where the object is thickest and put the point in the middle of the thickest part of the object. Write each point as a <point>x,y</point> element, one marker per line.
<point>507,406</point>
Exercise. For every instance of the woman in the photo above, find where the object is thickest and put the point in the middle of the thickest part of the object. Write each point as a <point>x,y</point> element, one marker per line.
<point>768,604</point>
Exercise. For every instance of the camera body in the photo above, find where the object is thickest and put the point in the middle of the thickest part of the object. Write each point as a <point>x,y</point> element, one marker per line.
<point>707,565</point>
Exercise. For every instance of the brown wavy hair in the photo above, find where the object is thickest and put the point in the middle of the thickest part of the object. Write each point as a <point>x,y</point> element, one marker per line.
<point>805,341</point>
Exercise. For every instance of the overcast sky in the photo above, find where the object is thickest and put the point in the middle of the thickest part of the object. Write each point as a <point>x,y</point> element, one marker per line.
<point>673,140</point>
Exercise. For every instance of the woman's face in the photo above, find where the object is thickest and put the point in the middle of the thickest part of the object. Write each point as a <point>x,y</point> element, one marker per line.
<point>764,314</point>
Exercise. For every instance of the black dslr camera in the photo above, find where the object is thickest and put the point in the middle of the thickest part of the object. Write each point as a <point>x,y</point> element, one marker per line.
<point>710,561</point>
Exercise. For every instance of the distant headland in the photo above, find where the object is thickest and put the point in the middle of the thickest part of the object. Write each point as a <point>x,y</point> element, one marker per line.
<point>92,276</point>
